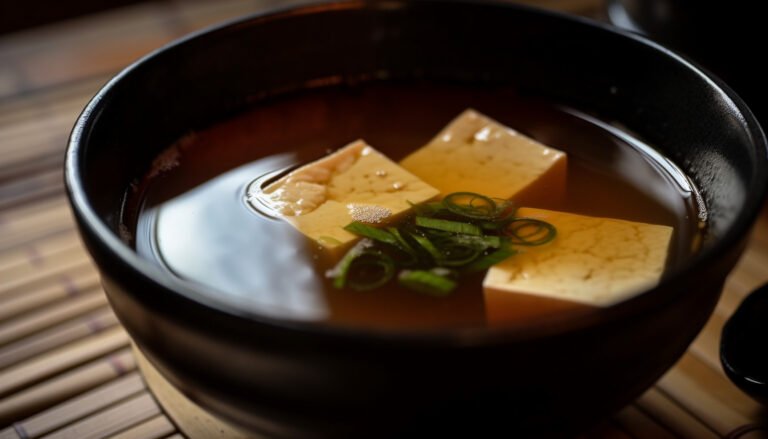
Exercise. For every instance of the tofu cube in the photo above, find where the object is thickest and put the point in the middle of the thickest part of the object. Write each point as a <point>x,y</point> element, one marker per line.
<point>477,154</point>
<point>355,183</point>
<point>592,262</point>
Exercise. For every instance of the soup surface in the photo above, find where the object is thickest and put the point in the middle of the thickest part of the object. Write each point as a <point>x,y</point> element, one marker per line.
<point>189,212</point>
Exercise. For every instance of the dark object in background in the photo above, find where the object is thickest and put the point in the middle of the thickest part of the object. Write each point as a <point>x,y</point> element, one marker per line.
<point>289,379</point>
<point>16,15</point>
<point>744,345</point>
<point>726,37</point>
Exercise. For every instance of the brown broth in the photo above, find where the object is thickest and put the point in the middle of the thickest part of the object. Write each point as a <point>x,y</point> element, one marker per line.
<point>189,214</point>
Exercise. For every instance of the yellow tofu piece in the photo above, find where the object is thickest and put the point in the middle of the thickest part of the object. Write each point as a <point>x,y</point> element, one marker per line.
<point>477,154</point>
<point>355,183</point>
<point>592,262</point>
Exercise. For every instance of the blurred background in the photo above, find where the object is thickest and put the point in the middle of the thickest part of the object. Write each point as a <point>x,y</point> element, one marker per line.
<point>66,368</point>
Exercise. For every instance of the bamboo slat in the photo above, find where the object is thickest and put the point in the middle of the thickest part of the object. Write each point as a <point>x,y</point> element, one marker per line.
<point>709,396</point>
<point>35,55</point>
<point>706,347</point>
<point>68,287</point>
<point>68,356</point>
<point>50,316</point>
<point>154,428</point>
<point>59,335</point>
<point>33,216</point>
<point>638,424</point>
<point>39,186</point>
<point>49,122</point>
<point>30,253</point>
<point>39,146</point>
<point>37,227</point>
<point>29,211</point>
<point>673,416</point>
<point>133,411</point>
<point>34,109</point>
<point>50,139</point>
<point>73,277</point>
<point>63,273</point>
<point>35,259</point>
<point>76,408</point>
<point>62,387</point>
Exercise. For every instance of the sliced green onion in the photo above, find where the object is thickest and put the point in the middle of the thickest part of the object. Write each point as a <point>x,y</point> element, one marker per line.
<point>370,270</point>
<point>471,205</point>
<point>504,208</point>
<point>341,270</point>
<point>490,225</point>
<point>405,247</point>
<point>481,242</point>
<point>428,209</point>
<point>427,245</point>
<point>426,282</point>
<point>454,250</point>
<point>436,234</point>
<point>529,231</point>
<point>464,233</point>
<point>445,272</point>
<point>490,260</point>
<point>455,254</point>
<point>448,226</point>
<point>401,242</point>
<point>374,233</point>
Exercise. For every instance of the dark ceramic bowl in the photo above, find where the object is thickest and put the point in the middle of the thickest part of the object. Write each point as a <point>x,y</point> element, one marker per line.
<point>291,379</point>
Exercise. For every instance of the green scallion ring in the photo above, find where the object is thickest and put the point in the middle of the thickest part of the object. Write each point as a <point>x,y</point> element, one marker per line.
<point>457,255</point>
<point>477,207</point>
<point>504,209</point>
<point>529,231</point>
<point>370,270</point>
<point>427,282</point>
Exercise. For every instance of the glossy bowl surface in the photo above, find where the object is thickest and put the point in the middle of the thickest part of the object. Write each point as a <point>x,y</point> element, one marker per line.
<point>291,379</point>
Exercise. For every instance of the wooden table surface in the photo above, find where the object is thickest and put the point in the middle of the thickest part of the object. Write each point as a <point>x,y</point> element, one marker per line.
<point>66,369</point>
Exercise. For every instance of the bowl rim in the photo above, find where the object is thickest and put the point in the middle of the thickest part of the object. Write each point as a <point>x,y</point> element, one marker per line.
<point>194,294</point>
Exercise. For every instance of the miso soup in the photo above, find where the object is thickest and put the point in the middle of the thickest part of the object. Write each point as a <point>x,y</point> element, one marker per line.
<point>190,213</point>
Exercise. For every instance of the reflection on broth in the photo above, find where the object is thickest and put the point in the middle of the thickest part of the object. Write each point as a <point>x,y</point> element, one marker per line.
<point>193,212</point>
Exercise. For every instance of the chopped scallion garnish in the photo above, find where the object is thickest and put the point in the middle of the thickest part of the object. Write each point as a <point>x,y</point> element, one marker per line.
<point>471,205</point>
<point>340,271</point>
<point>370,270</point>
<point>448,226</point>
<point>489,260</point>
<point>482,242</point>
<point>428,209</point>
<point>456,252</point>
<point>362,268</point>
<point>405,247</point>
<point>374,233</point>
<point>464,233</point>
<point>427,245</point>
<point>426,282</point>
<point>529,231</point>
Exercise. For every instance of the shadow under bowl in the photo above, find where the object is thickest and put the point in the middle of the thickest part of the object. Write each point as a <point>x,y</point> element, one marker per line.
<point>293,379</point>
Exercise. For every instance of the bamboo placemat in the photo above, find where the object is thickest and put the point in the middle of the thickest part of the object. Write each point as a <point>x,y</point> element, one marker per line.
<point>66,368</point>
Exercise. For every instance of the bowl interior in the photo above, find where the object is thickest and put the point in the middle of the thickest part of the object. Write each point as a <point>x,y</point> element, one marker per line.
<point>692,119</point>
